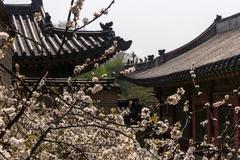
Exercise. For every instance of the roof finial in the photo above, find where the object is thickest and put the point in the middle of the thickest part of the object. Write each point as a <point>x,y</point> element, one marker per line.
<point>37,3</point>
<point>161,52</point>
<point>218,18</point>
<point>106,26</point>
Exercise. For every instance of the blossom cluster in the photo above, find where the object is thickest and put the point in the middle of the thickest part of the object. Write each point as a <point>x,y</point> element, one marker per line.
<point>76,8</point>
<point>86,21</point>
<point>5,43</point>
<point>175,98</point>
<point>79,68</point>
<point>129,70</point>
<point>112,49</point>
<point>67,126</point>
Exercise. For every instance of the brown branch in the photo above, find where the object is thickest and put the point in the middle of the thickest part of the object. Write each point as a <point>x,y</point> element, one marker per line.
<point>66,30</point>
<point>40,139</point>
<point>97,126</point>
<point>38,143</point>
<point>93,116</point>
<point>68,144</point>
<point>95,18</point>
<point>16,77</point>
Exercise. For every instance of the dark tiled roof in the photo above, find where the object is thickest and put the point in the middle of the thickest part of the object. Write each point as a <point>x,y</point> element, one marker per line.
<point>31,81</point>
<point>216,50</point>
<point>3,14</point>
<point>84,44</point>
<point>60,83</point>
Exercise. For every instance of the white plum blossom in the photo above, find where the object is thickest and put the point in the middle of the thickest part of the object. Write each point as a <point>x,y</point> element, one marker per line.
<point>189,154</point>
<point>96,65</point>
<point>97,88</point>
<point>2,54</point>
<point>96,14</point>
<point>186,106</point>
<point>5,43</point>
<point>3,36</point>
<point>5,153</point>
<point>37,17</point>
<point>76,8</point>
<point>207,104</point>
<point>104,75</point>
<point>218,103</point>
<point>129,70</point>
<point>87,99</point>
<point>145,113</point>
<point>85,21</point>
<point>176,133</point>
<point>162,127</point>
<point>175,98</point>
<point>200,93</point>
<point>94,79</point>
<point>2,123</point>
<point>120,119</point>
<point>9,110</point>
<point>15,142</point>
<point>204,123</point>
<point>79,68</point>
<point>237,109</point>
<point>112,49</point>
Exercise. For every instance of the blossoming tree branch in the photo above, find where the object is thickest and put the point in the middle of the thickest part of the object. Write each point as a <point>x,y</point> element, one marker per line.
<point>39,123</point>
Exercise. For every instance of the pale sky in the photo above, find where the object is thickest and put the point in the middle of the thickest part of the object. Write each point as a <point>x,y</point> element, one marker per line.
<point>151,24</point>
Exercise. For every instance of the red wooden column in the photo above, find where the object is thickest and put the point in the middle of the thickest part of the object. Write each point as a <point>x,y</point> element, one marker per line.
<point>208,99</point>
<point>197,102</point>
<point>216,126</point>
<point>236,117</point>
<point>209,127</point>
<point>194,134</point>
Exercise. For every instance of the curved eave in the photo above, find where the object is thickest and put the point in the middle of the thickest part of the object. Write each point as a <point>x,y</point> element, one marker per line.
<point>229,67</point>
<point>95,33</point>
<point>73,58</point>
<point>214,29</point>
<point>215,54</point>
<point>80,45</point>
<point>4,18</point>
<point>203,37</point>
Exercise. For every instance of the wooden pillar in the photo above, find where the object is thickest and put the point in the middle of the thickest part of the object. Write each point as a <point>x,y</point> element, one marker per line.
<point>216,126</point>
<point>209,127</point>
<point>161,112</point>
<point>190,110</point>
<point>236,117</point>
<point>194,134</point>
<point>158,95</point>
<point>174,114</point>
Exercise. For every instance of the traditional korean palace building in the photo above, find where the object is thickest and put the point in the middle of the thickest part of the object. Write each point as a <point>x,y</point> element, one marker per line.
<point>33,59</point>
<point>216,55</point>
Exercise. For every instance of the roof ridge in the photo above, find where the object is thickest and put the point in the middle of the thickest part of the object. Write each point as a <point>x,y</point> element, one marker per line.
<point>211,31</point>
<point>37,3</point>
<point>228,23</point>
<point>219,25</point>
<point>199,40</point>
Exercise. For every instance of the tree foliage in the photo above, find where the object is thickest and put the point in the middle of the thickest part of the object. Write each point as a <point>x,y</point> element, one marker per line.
<point>128,89</point>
